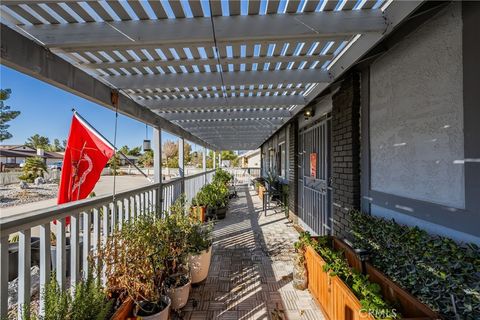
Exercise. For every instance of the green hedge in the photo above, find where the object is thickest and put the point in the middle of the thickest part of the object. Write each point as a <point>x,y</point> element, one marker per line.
<point>435,269</point>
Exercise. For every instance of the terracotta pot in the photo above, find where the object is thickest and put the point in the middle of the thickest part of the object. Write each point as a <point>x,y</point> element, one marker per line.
<point>162,315</point>
<point>179,296</point>
<point>199,265</point>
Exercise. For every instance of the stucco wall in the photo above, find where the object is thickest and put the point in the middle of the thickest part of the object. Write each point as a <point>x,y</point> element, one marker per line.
<point>254,162</point>
<point>416,114</point>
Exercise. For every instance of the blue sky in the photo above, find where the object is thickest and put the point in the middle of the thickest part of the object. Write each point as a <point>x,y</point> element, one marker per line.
<point>46,110</point>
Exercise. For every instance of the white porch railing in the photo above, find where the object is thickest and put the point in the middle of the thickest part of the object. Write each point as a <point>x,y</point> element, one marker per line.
<point>244,175</point>
<point>91,221</point>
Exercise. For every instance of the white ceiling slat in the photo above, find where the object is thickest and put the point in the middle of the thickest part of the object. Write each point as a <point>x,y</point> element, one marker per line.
<point>196,8</point>
<point>272,7</point>
<point>18,52</point>
<point>102,13</point>
<point>245,114</point>
<point>215,8</point>
<point>158,9</point>
<point>24,14</point>
<point>9,19</point>
<point>234,6</point>
<point>197,30</point>
<point>369,4</point>
<point>236,91</point>
<point>61,12</point>
<point>250,114</point>
<point>199,103</point>
<point>230,78</point>
<point>119,10</point>
<point>80,11</point>
<point>311,5</point>
<point>292,6</point>
<point>138,9</point>
<point>253,7</point>
<point>331,5</point>
<point>230,124</point>
<point>44,14</point>
<point>349,4</point>
<point>177,8</point>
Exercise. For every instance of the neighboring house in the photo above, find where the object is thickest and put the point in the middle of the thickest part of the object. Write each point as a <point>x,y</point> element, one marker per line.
<point>133,159</point>
<point>11,156</point>
<point>250,159</point>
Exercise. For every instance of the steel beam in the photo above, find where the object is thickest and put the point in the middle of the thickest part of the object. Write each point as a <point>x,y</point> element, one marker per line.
<point>220,102</point>
<point>28,57</point>
<point>173,80</point>
<point>316,25</point>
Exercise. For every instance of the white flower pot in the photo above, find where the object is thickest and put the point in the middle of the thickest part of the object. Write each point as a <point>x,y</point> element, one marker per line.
<point>179,296</point>
<point>162,315</point>
<point>199,265</point>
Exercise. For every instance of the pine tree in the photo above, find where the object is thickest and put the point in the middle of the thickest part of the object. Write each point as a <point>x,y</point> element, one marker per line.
<point>6,114</point>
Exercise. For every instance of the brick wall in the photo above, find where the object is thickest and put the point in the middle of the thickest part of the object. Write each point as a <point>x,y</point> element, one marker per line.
<point>293,170</point>
<point>345,153</point>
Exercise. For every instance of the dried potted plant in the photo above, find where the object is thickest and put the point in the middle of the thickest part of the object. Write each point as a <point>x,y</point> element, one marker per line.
<point>200,242</point>
<point>135,271</point>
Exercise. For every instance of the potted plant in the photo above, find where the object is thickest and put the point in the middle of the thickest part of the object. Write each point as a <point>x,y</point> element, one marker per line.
<point>134,271</point>
<point>222,176</point>
<point>200,241</point>
<point>172,241</point>
<point>218,196</point>
<point>199,206</point>
<point>87,300</point>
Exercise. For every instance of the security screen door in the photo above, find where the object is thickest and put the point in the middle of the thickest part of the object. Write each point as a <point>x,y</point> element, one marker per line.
<point>315,192</point>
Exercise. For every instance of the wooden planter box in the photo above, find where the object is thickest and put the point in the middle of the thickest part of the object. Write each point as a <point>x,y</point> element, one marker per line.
<point>338,301</point>
<point>125,311</point>
<point>199,213</point>
<point>261,191</point>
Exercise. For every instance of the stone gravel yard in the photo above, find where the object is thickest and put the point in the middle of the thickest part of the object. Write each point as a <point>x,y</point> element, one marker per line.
<point>13,195</point>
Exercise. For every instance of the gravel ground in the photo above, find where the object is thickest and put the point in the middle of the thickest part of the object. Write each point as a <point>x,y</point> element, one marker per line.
<point>12,195</point>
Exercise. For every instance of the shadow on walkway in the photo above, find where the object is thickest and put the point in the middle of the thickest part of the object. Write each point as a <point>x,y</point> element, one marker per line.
<point>251,272</point>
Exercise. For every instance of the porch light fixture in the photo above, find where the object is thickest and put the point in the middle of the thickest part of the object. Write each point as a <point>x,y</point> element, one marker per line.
<point>308,113</point>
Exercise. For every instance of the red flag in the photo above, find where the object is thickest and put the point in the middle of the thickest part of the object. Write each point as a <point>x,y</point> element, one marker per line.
<point>86,155</point>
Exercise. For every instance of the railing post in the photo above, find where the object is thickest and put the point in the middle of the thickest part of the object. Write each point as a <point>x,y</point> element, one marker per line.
<point>4,276</point>
<point>157,168</point>
<point>214,160</point>
<point>44,263</point>
<point>74,249</point>
<point>96,238</point>
<point>204,165</point>
<point>24,264</point>
<point>181,163</point>
<point>61,254</point>
<point>86,243</point>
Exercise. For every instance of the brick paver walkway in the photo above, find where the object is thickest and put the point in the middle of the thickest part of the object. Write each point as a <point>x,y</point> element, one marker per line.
<point>251,272</point>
